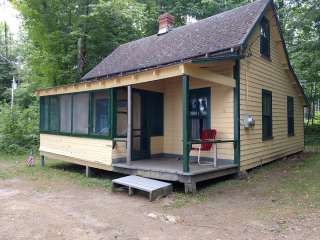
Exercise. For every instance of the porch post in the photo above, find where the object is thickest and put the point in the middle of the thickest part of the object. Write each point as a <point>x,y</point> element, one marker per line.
<point>236,112</point>
<point>113,113</point>
<point>129,131</point>
<point>185,122</point>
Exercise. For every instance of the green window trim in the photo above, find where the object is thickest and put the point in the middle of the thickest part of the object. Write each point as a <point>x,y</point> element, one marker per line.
<point>290,115</point>
<point>265,38</point>
<point>266,115</point>
<point>46,116</point>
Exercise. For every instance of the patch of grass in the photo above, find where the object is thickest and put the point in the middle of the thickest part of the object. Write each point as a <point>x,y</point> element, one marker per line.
<point>302,186</point>
<point>312,135</point>
<point>54,170</point>
<point>291,183</point>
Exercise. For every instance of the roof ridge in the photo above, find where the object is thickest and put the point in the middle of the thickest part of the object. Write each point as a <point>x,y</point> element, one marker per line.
<point>219,32</point>
<point>198,21</point>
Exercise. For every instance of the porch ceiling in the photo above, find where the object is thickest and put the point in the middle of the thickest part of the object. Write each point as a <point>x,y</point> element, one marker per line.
<point>192,70</point>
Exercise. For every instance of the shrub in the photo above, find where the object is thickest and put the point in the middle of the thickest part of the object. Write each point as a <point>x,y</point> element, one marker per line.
<point>19,128</point>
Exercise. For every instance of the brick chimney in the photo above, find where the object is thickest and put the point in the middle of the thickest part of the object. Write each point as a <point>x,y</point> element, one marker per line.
<point>166,23</point>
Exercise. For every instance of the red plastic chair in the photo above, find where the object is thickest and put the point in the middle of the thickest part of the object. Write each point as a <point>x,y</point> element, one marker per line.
<point>207,134</point>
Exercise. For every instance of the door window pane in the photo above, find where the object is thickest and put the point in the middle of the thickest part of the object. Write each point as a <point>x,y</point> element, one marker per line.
<point>199,111</point>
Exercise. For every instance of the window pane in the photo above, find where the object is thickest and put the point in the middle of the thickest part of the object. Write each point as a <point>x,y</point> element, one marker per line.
<point>80,113</point>
<point>265,38</point>
<point>65,113</point>
<point>101,115</point>
<point>290,115</point>
<point>54,114</point>
<point>266,114</point>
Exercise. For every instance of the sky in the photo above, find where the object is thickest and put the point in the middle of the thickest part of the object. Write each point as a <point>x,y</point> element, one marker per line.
<point>10,16</point>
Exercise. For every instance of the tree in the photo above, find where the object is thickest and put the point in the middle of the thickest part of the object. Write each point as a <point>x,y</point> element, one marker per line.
<point>301,23</point>
<point>7,59</point>
<point>68,38</point>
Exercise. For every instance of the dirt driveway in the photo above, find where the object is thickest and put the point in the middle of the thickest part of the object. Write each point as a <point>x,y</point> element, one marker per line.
<point>55,209</point>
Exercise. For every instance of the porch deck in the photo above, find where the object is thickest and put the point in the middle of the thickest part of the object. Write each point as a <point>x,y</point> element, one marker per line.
<point>170,169</point>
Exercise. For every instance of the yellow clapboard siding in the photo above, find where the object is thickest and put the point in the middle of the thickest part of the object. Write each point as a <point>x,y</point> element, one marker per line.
<point>87,149</point>
<point>221,115</point>
<point>258,73</point>
<point>156,145</point>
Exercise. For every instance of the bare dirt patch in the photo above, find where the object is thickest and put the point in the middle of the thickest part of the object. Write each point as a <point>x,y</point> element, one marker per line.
<point>33,208</point>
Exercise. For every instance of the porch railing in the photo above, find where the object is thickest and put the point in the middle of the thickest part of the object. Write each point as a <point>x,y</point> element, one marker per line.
<point>215,142</point>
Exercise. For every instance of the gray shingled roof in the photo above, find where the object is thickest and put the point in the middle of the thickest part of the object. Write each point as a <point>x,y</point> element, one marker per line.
<point>219,32</point>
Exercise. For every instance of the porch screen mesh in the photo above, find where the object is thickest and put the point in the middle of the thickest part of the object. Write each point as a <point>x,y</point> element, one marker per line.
<point>101,113</point>
<point>122,112</point>
<point>54,113</point>
<point>44,113</point>
<point>65,113</point>
<point>80,113</point>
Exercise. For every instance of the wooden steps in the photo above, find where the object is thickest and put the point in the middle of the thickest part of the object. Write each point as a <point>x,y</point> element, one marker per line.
<point>155,188</point>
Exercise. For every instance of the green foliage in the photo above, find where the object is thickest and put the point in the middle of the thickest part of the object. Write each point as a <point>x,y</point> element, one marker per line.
<point>301,23</point>
<point>54,171</point>
<point>19,131</point>
<point>68,38</point>
<point>7,59</point>
<point>312,135</point>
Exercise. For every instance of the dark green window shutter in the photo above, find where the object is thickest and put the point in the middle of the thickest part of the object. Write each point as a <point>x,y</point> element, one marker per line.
<point>265,38</point>
<point>290,115</point>
<point>266,114</point>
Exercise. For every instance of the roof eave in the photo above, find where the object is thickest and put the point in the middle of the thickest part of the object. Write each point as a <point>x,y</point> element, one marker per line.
<point>243,45</point>
<point>186,60</point>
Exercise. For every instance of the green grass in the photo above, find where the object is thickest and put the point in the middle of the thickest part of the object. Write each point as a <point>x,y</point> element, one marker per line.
<point>54,170</point>
<point>302,187</point>
<point>312,135</point>
<point>291,183</point>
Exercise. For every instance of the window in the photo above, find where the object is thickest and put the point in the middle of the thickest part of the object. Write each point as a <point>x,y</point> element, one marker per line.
<point>50,115</point>
<point>266,114</point>
<point>100,113</point>
<point>265,38</point>
<point>290,116</point>
<point>199,111</point>
<point>65,113</point>
<point>80,113</point>
<point>74,114</point>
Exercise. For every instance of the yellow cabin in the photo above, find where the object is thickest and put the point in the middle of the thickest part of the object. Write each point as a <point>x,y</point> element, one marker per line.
<point>188,104</point>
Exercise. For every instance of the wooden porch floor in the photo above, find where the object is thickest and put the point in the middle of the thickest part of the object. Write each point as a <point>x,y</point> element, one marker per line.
<point>170,169</point>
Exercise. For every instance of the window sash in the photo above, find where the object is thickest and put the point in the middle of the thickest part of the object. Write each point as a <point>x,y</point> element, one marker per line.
<point>290,115</point>
<point>266,114</point>
<point>100,113</point>
<point>265,38</point>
